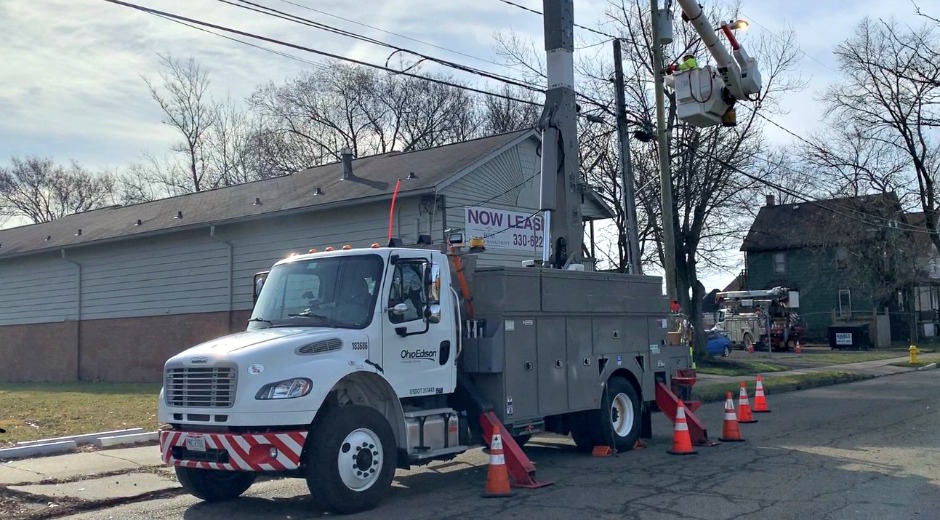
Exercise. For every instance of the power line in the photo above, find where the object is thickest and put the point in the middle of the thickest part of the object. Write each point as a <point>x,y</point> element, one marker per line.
<point>270,11</point>
<point>524,8</point>
<point>243,42</point>
<point>865,218</point>
<point>784,41</point>
<point>429,44</point>
<point>164,14</point>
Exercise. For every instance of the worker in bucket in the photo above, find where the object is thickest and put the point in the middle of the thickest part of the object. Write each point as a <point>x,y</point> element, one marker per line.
<point>688,63</point>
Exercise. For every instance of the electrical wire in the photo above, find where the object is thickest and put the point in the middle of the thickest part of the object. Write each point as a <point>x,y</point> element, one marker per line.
<point>422,42</point>
<point>864,218</point>
<point>270,11</point>
<point>524,8</point>
<point>249,44</point>
<point>167,15</point>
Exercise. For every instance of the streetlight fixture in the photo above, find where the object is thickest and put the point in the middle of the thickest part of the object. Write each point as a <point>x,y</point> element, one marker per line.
<point>734,25</point>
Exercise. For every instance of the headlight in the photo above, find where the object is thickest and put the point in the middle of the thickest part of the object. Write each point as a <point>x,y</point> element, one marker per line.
<point>287,389</point>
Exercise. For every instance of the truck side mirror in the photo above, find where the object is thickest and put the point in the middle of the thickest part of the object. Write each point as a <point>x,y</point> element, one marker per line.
<point>258,284</point>
<point>433,314</point>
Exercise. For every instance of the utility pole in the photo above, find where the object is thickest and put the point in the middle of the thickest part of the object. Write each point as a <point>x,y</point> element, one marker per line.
<point>665,170</point>
<point>626,167</point>
<point>561,188</point>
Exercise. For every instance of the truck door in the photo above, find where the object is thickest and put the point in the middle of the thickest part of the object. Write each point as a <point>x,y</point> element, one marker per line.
<point>419,350</point>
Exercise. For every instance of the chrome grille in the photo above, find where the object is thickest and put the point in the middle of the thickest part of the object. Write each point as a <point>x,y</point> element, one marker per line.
<point>327,345</point>
<point>200,387</point>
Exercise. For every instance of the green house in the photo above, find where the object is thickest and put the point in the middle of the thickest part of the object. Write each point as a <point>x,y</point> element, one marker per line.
<point>848,258</point>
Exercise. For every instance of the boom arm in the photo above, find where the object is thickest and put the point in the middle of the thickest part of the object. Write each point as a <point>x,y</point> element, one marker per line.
<point>706,96</point>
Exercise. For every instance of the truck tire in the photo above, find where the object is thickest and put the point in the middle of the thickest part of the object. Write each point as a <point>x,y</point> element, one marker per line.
<point>745,340</point>
<point>350,459</point>
<point>581,429</point>
<point>212,485</point>
<point>619,427</point>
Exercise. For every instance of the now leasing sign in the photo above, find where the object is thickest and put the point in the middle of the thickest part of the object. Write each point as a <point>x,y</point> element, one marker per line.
<point>504,229</point>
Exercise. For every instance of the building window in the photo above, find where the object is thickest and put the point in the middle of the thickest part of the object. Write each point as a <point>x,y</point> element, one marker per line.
<point>780,263</point>
<point>842,258</point>
<point>845,303</point>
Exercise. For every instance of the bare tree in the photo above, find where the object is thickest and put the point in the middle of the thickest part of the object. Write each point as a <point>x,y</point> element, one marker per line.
<point>41,191</point>
<point>183,96</point>
<point>891,88</point>
<point>307,120</point>
<point>502,115</point>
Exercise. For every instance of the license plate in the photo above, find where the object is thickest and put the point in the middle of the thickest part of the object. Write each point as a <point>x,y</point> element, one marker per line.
<point>195,443</point>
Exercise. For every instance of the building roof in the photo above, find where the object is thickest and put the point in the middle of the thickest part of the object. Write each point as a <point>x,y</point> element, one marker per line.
<point>322,187</point>
<point>823,222</point>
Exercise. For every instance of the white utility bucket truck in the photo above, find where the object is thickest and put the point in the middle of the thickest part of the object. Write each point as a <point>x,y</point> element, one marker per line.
<point>356,362</point>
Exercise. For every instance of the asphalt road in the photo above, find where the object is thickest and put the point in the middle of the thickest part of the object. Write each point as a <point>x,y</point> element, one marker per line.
<point>855,451</point>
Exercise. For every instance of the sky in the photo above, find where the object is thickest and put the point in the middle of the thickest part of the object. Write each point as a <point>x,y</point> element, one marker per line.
<point>71,71</point>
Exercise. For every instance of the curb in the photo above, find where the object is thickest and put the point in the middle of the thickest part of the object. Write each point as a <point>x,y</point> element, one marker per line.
<point>87,438</point>
<point>118,440</point>
<point>37,449</point>
<point>927,367</point>
<point>805,385</point>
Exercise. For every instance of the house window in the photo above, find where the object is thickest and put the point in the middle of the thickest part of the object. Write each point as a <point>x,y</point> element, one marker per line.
<point>842,258</point>
<point>780,263</point>
<point>845,303</point>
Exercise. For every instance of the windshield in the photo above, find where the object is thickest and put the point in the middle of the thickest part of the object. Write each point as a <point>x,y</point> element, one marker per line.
<point>322,292</point>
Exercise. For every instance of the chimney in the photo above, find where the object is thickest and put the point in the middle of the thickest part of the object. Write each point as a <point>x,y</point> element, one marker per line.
<point>770,201</point>
<point>346,154</point>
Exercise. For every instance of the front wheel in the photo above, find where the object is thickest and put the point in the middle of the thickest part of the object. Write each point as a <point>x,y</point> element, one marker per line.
<point>214,485</point>
<point>351,457</point>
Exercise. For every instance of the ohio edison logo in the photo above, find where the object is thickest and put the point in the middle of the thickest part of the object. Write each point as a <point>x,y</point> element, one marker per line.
<point>418,355</point>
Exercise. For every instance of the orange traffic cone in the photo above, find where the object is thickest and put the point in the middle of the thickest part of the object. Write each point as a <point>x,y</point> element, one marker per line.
<point>798,349</point>
<point>730,431</point>
<point>760,403</point>
<point>744,407</point>
<point>497,477</point>
<point>681,441</point>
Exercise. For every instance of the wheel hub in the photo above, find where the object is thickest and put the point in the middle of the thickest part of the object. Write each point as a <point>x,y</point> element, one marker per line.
<point>360,459</point>
<point>621,414</point>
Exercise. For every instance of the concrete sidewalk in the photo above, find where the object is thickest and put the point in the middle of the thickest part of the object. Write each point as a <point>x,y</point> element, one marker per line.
<point>90,476</point>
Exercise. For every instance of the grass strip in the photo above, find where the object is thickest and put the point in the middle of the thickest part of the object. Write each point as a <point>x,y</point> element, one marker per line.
<point>31,411</point>
<point>713,392</point>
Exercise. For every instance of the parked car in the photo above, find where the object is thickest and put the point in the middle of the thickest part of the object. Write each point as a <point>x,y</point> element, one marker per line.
<point>719,344</point>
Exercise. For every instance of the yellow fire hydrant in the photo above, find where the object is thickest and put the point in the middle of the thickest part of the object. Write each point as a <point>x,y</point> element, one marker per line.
<point>912,350</point>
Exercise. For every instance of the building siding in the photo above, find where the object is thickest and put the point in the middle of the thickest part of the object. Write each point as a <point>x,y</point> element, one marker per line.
<point>510,181</point>
<point>117,311</point>
<point>814,274</point>
<point>39,289</point>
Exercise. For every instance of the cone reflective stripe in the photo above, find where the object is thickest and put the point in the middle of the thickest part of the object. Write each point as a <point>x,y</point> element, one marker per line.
<point>730,431</point>
<point>744,407</point>
<point>760,402</point>
<point>497,476</point>
<point>798,349</point>
<point>681,441</point>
